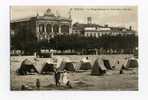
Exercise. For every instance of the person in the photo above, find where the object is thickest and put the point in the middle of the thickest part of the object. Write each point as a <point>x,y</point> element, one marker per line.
<point>65,79</point>
<point>25,87</point>
<point>123,67</point>
<point>57,76</point>
<point>121,70</point>
<point>38,83</point>
<point>86,58</point>
<point>118,62</point>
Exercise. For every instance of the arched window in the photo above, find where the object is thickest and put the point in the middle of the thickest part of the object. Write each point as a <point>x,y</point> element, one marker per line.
<point>65,29</point>
<point>41,28</point>
<point>48,28</point>
<point>55,28</point>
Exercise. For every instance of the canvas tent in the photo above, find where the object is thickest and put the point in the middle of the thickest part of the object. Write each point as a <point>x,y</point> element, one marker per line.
<point>67,64</point>
<point>59,63</point>
<point>107,64</point>
<point>27,67</point>
<point>49,66</point>
<point>98,67</point>
<point>85,64</point>
<point>132,63</point>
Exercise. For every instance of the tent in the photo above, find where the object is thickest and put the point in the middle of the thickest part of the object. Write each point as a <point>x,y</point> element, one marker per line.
<point>59,63</point>
<point>107,64</point>
<point>98,67</point>
<point>85,64</point>
<point>27,67</point>
<point>49,66</point>
<point>132,63</point>
<point>67,64</point>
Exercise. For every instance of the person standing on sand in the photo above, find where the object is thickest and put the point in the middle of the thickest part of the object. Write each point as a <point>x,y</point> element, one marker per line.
<point>38,83</point>
<point>121,70</point>
<point>65,79</point>
<point>57,76</point>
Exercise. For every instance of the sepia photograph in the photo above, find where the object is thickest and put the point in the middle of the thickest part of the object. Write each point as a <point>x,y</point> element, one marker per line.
<point>74,48</point>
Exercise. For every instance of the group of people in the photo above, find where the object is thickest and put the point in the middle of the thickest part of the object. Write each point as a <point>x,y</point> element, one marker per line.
<point>62,77</point>
<point>59,77</point>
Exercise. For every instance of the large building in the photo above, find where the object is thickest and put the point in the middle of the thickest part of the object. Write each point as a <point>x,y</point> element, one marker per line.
<point>42,27</point>
<point>94,30</point>
<point>49,25</point>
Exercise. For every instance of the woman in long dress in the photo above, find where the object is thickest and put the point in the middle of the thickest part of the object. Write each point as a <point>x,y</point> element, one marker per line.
<point>66,80</point>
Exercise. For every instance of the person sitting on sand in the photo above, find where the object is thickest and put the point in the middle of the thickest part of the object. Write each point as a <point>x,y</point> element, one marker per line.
<point>57,76</point>
<point>25,87</point>
<point>65,79</point>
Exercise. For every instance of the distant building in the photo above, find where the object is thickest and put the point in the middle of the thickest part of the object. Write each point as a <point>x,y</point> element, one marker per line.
<point>42,27</point>
<point>95,30</point>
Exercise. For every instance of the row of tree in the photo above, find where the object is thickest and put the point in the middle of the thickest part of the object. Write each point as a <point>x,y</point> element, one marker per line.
<point>74,42</point>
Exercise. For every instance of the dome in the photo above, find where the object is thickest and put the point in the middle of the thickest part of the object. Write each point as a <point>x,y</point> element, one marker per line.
<point>49,13</point>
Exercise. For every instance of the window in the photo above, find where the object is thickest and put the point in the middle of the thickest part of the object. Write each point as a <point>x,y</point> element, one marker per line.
<point>48,28</point>
<point>65,29</point>
<point>55,28</point>
<point>41,28</point>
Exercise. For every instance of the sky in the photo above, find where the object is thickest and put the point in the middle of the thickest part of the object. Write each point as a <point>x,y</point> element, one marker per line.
<point>122,16</point>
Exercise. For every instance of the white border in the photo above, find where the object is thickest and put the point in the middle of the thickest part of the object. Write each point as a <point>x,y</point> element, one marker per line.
<point>5,92</point>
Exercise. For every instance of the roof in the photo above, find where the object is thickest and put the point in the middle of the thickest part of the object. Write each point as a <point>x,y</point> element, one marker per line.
<point>86,25</point>
<point>80,26</point>
<point>57,18</point>
<point>48,15</point>
<point>22,19</point>
<point>27,62</point>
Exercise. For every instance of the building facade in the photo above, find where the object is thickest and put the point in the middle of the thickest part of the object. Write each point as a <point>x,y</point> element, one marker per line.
<point>42,27</point>
<point>95,30</point>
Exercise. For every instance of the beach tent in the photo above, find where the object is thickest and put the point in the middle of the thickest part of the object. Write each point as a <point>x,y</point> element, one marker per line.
<point>85,64</point>
<point>48,66</point>
<point>107,64</point>
<point>67,64</point>
<point>27,67</point>
<point>132,63</point>
<point>98,67</point>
